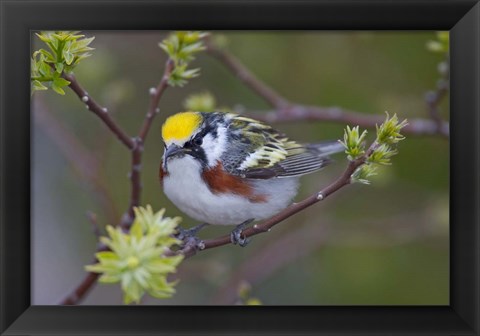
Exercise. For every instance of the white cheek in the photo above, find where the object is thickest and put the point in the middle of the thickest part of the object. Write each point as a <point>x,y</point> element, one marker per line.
<point>214,148</point>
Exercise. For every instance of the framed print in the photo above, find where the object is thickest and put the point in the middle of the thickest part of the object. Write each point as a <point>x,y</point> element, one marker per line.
<point>239,118</point>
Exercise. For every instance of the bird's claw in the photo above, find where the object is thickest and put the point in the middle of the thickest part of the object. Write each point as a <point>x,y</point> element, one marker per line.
<point>236,238</point>
<point>189,238</point>
<point>182,233</point>
<point>195,242</point>
<point>236,235</point>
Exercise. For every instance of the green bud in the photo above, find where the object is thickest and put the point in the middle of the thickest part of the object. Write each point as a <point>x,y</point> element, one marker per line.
<point>353,142</point>
<point>204,102</point>
<point>180,75</point>
<point>132,262</point>
<point>389,131</point>
<point>380,152</point>
<point>67,48</point>
<point>363,173</point>
<point>441,44</point>
<point>244,290</point>
<point>435,46</point>
<point>38,86</point>
<point>136,258</point>
<point>253,302</point>
<point>381,155</point>
<point>182,47</point>
<point>219,40</point>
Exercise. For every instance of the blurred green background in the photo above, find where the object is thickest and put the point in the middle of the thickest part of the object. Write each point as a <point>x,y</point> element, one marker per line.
<point>383,244</point>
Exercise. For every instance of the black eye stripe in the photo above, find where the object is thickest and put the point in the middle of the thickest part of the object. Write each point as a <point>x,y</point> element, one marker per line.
<point>199,154</point>
<point>197,141</point>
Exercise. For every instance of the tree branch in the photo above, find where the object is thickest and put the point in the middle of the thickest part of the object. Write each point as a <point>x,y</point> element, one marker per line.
<point>434,98</point>
<point>81,290</point>
<point>100,111</point>
<point>285,111</point>
<point>245,76</point>
<point>92,217</point>
<point>136,184</point>
<point>335,114</point>
<point>136,146</point>
<point>153,110</point>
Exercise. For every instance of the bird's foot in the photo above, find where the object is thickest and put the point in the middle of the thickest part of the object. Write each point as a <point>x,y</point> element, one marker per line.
<point>189,236</point>
<point>182,233</point>
<point>236,235</point>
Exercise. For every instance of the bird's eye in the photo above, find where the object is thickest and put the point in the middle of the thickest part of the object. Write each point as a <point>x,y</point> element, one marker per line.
<point>197,141</point>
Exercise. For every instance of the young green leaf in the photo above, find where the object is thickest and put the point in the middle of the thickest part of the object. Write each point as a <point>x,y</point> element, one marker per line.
<point>182,47</point>
<point>389,131</point>
<point>67,48</point>
<point>136,258</point>
<point>380,152</point>
<point>353,141</point>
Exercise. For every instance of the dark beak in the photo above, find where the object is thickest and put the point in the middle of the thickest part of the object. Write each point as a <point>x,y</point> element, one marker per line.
<point>170,151</point>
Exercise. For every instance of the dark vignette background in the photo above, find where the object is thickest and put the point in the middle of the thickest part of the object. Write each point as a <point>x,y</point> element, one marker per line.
<point>458,303</point>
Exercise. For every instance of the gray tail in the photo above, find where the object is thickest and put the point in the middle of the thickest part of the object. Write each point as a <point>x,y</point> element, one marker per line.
<point>326,148</point>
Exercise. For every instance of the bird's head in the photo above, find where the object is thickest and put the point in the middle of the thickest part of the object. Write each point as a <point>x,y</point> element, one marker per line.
<point>197,134</point>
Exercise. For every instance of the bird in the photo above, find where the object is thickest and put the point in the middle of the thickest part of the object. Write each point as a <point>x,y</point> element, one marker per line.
<point>222,168</point>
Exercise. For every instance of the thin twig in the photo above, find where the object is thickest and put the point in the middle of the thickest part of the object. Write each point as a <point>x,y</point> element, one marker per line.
<point>247,77</point>
<point>285,111</point>
<point>100,111</point>
<point>90,279</point>
<point>434,98</point>
<point>136,147</point>
<point>153,110</point>
<point>81,290</point>
<point>92,217</point>
<point>416,126</point>
<point>135,183</point>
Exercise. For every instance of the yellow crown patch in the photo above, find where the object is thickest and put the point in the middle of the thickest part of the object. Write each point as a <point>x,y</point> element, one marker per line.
<point>180,126</point>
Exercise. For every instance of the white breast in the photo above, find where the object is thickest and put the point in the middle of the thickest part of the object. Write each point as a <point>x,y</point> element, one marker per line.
<point>185,187</point>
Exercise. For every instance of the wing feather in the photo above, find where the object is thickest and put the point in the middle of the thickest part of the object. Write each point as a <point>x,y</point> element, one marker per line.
<point>269,153</point>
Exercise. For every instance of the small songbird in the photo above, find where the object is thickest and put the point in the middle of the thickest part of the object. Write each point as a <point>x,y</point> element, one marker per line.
<point>225,169</point>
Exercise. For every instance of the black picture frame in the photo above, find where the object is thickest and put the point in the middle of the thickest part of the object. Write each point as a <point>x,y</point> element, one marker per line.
<point>18,17</point>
